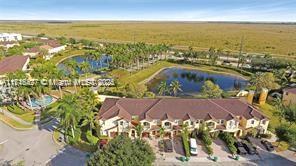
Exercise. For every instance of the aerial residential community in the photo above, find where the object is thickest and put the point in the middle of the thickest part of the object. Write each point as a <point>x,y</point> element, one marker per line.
<point>146,92</point>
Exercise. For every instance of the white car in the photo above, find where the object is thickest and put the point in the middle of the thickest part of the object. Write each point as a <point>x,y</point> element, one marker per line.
<point>193,147</point>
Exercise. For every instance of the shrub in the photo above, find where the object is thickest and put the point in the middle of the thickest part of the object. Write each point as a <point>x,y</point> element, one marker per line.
<point>214,135</point>
<point>209,149</point>
<point>252,132</point>
<point>15,109</point>
<point>186,144</point>
<point>267,136</point>
<point>91,139</point>
<point>206,139</point>
<point>229,140</point>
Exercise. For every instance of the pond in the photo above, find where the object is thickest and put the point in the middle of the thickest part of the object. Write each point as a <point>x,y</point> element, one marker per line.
<point>192,80</point>
<point>95,65</point>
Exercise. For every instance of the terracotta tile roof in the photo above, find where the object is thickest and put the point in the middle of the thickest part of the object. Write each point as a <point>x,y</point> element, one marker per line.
<point>33,50</point>
<point>49,42</point>
<point>172,109</point>
<point>4,43</point>
<point>12,64</point>
<point>290,90</point>
<point>46,47</point>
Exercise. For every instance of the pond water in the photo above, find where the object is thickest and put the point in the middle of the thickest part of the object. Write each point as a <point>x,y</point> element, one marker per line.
<point>94,65</point>
<point>192,80</point>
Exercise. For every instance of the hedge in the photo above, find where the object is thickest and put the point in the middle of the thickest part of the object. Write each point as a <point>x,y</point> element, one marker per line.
<point>15,109</point>
<point>186,144</point>
<point>229,140</point>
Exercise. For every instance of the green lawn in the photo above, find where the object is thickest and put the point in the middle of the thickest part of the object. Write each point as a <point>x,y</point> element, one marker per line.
<point>25,115</point>
<point>13,123</point>
<point>269,111</point>
<point>67,53</point>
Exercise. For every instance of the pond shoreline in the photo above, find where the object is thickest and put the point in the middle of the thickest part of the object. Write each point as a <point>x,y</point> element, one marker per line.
<point>191,68</point>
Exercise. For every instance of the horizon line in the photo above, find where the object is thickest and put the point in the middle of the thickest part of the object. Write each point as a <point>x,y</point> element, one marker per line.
<point>132,20</point>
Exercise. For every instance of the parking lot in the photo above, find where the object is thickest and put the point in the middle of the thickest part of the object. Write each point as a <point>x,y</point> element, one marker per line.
<point>219,148</point>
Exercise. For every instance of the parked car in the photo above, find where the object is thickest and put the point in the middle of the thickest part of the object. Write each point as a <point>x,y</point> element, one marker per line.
<point>250,149</point>
<point>267,145</point>
<point>168,145</point>
<point>240,148</point>
<point>193,147</point>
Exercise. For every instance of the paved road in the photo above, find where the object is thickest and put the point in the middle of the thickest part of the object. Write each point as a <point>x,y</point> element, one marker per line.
<point>36,147</point>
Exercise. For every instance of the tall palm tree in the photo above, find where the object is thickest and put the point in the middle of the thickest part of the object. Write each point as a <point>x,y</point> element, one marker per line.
<point>67,111</point>
<point>162,88</point>
<point>84,67</point>
<point>71,66</point>
<point>175,87</point>
<point>139,129</point>
<point>161,132</point>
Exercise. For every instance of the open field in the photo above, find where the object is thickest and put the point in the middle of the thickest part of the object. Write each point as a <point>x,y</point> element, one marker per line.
<point>260,38</point>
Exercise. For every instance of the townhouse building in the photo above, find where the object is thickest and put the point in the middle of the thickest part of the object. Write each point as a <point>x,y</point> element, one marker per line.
<point>7,37</point>
<point>122,115</point>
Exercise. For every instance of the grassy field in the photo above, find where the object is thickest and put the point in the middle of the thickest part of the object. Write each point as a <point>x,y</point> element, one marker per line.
<point>261,38</point>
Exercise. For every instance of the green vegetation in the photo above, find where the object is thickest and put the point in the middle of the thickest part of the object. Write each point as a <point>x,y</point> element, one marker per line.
<point>137,77</point>
<point>185,140</point>
<point>229,140</point>
<point>204,135</point>
<point>199,35</point>
<point>211,90</point>
<point>123,151</point>
<point>77,114</point>
<point>25,115</point>
<point>15,109</point>
<point>282,122</point>
<point>263,80</point>
<point>13,123</point>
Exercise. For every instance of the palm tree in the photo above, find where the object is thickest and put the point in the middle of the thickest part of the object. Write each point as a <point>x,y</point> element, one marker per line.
<point>89,120</point>
<point>161,132</point>
<point>175,87</point>
<point>162,88</point>
<point>84,67</point>
<point>139,129</point>
<point>25,92</point>
<point>71,66</point>
<point>68,114</point>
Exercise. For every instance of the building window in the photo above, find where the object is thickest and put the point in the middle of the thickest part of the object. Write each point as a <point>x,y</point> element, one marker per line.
<point>176,121</point>
<point>191,123</point>
<point>230,123</point>
<point>263,122</point>
<point>121,123</point>
<point>167,124</point>
<point>146,124</point>
<point>221,121</point>
<point>252,122</point>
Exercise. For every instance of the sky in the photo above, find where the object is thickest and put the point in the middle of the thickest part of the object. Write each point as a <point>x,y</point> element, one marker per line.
<point>157,10</point>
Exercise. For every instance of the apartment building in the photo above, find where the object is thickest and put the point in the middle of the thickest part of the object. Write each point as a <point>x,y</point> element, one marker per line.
<point>122,115</point>
<point>5,37</point>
